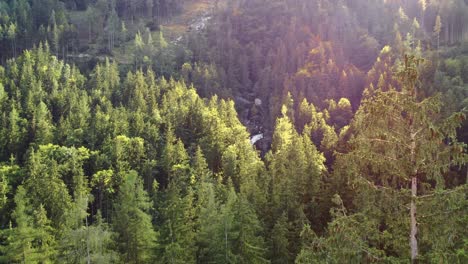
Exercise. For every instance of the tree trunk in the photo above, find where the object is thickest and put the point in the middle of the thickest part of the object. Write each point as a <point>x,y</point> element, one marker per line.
<point>414,228</point>
<point>452,37</point>
<point>414,193</point>
<point>100,199</point>
<point>88,259</point>
<point>446,33</point>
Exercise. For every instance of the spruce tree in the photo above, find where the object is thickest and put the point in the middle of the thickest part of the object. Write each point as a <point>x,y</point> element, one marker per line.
<point>403,146</point>
<point>135,235</point>
<point>31,240</point>
<point>437,29</point>
<point>279,241</point>
<point>177,230</point>
<point>210,235</point>
<point>250,245</point>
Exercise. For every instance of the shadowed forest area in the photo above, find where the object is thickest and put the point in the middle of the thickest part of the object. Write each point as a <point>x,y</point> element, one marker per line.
<point>233,131</point>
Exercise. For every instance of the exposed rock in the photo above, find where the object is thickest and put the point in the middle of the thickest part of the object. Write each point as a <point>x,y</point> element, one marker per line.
<point>258,102</point>
<point>200,23</point>
<point>256,138</point>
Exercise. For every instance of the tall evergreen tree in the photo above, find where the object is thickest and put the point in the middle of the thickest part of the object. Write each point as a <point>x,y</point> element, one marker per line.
<point>437,29</point>
<point>177,231</point>
<point>210,235</point>
<point>31,240</point>
<point>135,235</point>
<point>401,143</point>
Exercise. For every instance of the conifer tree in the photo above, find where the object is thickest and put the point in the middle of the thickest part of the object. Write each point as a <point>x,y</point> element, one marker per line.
<point>46,185</point>
<point>210,235</point>
<point>437,29</point>
<point>54,31</point>
<point>295,167</point>
<point>4,188</point>
<point>401,143</point>
<point>43,128</point>
<point>136,237</point>
<point>177,231</point>
<point>229,226</point>
<point>100,242</point>
<point>31,240</point>
<point>112,27</point>
<point>16,132</point>
<point>279,241</point>
<point>250,247</point>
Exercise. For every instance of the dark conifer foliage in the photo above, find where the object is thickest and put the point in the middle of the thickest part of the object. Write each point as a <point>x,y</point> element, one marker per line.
<point>198,131</point>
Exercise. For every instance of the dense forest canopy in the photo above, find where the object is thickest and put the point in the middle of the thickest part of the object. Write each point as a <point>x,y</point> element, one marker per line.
<point>127,131</point>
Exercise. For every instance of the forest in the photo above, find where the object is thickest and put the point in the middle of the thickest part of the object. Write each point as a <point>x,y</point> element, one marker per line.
<point>233,131</point>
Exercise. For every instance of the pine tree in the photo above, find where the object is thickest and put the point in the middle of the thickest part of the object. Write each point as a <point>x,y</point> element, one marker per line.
<point>149,8</point>
<point>127,154</point>
<point>295,167</point>
<point>92,16</point>
<point>103,180</point>
<point>46,184</point>
<point>401,141</point>
<point>279,240</point>
<point>250,247</point>
<point>42,126</point>
<point>74,241</point>
<point>136,237</point>
<point>229,226</point>
<point>4,188</point>
<point>341,115</point>
<point>175,161</point>
<point>100,242</point>
<point>30,241</point>
<point>43,239</point>
<point>200,167</point>
<point>19,246</point>
<point>177,230</point>
<point>437,29</point>
<point>344,241</point>
<point>139,49</point>
<point>210,235</point>
<point>423,6</point>
<point>16,127</point>
<point>112,27</point>
<point>55,34</point>
<point>11,34</point>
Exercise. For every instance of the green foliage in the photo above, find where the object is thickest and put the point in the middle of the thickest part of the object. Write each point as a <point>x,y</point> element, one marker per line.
<point>398,138</point>
<point>443,220</point>
<point>163,153</point>
<point>280,243</point>
<point>295,167</point>
<point>135,235</point>
<point>4,188</point>
<point>212,232</point>
<point>177,234</point>
<point>31,239</point>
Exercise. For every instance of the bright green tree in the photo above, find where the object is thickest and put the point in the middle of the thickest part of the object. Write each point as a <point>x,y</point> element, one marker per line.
<point>31,239</point>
